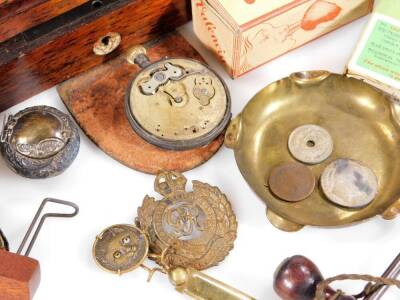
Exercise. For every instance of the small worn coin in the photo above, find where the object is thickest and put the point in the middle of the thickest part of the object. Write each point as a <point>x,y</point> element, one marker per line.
<point>349,183</point>
<point>291,182</point>
<point>310,144</point>
<point>120,248</point>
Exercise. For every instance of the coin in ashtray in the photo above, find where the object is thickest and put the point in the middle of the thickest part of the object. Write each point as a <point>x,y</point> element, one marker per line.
<point>291,182</point>
<point>348,183</point>
<point>310,144</point>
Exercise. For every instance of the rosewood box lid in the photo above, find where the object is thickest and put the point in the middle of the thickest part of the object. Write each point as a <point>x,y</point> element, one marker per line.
<point>45,42</point>
<point>16,16</point>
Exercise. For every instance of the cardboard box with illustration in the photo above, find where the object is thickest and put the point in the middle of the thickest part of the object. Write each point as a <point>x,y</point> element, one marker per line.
<point>245,34</point>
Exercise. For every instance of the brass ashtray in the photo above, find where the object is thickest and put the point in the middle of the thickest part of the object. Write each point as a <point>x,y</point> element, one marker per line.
<point>362,121</point>
<point>39,142</point>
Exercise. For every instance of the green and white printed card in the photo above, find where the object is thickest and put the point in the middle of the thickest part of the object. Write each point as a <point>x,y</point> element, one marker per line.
<point>377,56</point>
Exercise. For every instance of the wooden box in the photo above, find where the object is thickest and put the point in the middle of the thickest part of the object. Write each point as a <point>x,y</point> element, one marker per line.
<point>44,42</point>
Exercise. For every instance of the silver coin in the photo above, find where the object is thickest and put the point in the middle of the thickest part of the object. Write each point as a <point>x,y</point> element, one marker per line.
<point>310,144</point>
<point>349,183</point>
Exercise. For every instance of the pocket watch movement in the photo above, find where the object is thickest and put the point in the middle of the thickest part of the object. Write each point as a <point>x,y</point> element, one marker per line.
<point>176,103</point>
<point>39,142</point>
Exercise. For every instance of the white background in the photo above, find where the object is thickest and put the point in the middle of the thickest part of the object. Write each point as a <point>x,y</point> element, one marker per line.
<point>109,193</point>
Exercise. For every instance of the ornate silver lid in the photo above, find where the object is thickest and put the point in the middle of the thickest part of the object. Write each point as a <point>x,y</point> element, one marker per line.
<point>39,142</point>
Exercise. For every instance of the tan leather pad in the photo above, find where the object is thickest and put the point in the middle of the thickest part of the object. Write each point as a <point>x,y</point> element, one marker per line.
<point>96,101</point>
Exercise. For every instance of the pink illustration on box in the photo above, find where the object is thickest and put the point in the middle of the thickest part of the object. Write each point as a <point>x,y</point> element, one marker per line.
<point>320,12</point>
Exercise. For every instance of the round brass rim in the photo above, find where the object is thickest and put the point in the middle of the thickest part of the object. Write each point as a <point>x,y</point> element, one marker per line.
<point>134,266</point>
<point>179,145</point>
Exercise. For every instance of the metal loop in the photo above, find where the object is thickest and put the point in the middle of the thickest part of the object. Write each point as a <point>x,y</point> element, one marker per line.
<point>42,219</point>
<point>5,131</point>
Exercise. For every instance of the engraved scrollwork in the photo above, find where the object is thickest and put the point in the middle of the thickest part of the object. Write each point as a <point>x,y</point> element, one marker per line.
<point>40,157</point>
<point>42,149</point>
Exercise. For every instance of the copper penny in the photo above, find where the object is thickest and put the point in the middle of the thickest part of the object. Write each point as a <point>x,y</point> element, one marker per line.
<point>291,182</point>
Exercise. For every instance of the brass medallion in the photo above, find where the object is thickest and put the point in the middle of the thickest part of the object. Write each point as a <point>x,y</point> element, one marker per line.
<point>349,183</point>
<point>3,241</point>
<point>39,142</point>
<point>120,248</point>
<point>310,144</point>
<point>177,103</point>
<point>184,233</point>
<point>291,182</point>
<point>193,229</point>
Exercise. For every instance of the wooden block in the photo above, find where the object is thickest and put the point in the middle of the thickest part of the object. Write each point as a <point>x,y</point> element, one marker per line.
<point>63,47</point>
<point>19,276</point>
<point>96,100</point>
